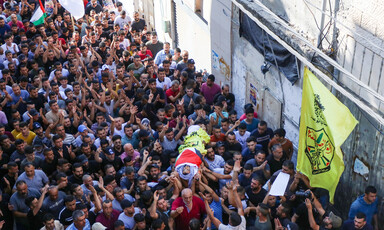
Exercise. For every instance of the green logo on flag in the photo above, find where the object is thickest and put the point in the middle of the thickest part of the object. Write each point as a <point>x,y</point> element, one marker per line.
<point>319,150</point>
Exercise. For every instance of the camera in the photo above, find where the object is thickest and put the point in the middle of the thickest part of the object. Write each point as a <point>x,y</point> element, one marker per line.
<point>303,194</point>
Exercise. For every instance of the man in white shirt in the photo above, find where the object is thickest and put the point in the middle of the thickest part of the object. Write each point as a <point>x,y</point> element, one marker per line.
<point>162,81</point>
<point>123,19</point>
<point>9,45</point>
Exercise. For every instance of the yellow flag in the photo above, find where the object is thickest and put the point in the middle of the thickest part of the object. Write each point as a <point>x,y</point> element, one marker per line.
<point>325,123</point>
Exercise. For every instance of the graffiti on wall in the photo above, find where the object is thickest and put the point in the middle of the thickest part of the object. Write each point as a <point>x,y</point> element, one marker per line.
<point>221,65</point>
<point>225,69</point>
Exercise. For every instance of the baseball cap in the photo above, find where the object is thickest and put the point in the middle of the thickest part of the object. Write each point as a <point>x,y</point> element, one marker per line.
<point>119,4</point>
<point>102,44</point>
<point>36,125</point>
<point>82,159</point>
<point>105,67</point>
<point>33,112</point>
<point>98,226</point>
<point>145,121</point>
<point>81,128</point>
<point>154,166</point>
<point>336,221</point>
<point>191,61</point>
<point>38,143</point>
<point>220,144</point>
<point>109,151</point>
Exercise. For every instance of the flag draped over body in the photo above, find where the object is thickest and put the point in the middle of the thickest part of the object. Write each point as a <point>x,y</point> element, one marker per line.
<point>39,15</point>
<point>325,123</point>
<point>75,7</point>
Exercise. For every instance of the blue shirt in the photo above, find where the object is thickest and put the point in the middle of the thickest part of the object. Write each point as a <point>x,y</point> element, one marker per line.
<point>23,94</point>
<point>359,205</point>
<point>225,114</point>
<point>5,28</point>
<point>37,182</point>
<point>161,55</point>
<point>252,126</point>
<point>247,154</point>
<point>86,227</point>
<point>134,140</point>
<point>217,211</point>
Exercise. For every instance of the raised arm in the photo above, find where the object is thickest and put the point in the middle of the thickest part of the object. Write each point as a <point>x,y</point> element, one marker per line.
<point>209,211</point>
<point>40,201</point>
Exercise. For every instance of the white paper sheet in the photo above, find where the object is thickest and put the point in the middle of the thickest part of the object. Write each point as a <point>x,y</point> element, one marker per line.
<point>279,185</point>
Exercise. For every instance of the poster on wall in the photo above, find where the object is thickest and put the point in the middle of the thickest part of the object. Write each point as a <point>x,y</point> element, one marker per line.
<point>215,60</point>
<point>253,94</point>
<point>108,4</point>
<point>48,7</point>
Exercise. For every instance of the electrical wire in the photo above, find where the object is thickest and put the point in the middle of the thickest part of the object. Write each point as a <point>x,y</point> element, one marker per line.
<point>380,130</point>
<point>323,55</point>
<point>345,26</point>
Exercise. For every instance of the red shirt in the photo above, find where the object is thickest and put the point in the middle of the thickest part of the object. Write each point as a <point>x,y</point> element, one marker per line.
<point>170,92</point>
<point>198,210</point>
<point>214,139</point>
<point>109,223</point>
<point>245,116</point>
<point>144,55</point>
<point>19,24</point>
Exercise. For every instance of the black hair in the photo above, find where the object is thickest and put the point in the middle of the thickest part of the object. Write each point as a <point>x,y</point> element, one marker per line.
<point>370,189</point>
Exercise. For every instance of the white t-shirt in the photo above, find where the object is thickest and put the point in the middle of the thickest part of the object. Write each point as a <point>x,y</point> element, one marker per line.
<point>10,48</point>
<point>64,72</point>
<point>242,139</point>
<point>122,21</point>
<point>167,81</point>
<point>241,226</point>
<point>124,44</point>
<point>6,62</point>
<point>129,222</point>
<point>120,132</point>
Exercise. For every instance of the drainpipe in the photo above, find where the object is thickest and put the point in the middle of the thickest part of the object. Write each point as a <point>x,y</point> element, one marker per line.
<point>322,22</point>
<point>335,44</point>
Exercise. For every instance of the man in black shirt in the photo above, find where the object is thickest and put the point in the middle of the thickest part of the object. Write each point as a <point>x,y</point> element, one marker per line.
<point>138,24</point>
<point>276,159</point>
<point>109,157</point>
<point>77,176</point>
<point>65,215</point>
<point>9,180</point>
<point>263,135</point>
<point>50,162</point>
<point>93,5</point>
<point>255,192</point>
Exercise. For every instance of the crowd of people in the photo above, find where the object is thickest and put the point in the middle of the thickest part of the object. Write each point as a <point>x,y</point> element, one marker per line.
<point>92,113</point>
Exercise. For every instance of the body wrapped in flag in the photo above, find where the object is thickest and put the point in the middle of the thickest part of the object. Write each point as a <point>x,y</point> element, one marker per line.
<point>188,164</point>
<point>191,153</point>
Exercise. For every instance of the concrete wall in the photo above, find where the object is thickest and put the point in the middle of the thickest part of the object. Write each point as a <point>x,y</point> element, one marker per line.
<point>193,35</point>
<point>278,102</point>
<point>220,31</point>
<point>162,12</point>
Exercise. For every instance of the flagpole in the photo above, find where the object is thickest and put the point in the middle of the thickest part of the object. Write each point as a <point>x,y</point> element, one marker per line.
<point>73,24</point>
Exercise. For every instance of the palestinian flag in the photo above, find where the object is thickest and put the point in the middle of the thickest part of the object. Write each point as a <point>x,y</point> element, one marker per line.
<point>39,15</point>
<point>190,156</point>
